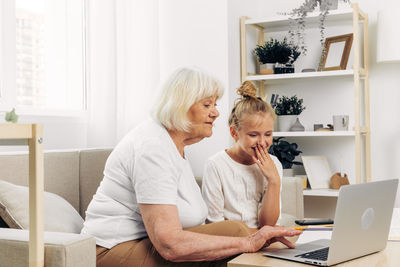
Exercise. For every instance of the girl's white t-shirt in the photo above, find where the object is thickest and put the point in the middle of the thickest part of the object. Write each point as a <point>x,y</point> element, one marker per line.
<point>234,191</point>
<point>146,168</point>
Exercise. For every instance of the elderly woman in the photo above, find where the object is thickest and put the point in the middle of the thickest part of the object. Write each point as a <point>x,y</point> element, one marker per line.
<point>148,210</point>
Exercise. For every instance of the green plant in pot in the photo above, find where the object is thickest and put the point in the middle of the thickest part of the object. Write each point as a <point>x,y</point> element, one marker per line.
<point>285,152</point>
<point>278,53</point>
<point>287,109</point>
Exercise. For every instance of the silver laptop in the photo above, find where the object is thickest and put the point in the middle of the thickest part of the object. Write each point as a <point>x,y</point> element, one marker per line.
<point>362,224</point>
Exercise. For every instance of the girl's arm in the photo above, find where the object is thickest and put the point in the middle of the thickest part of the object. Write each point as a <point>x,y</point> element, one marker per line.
<point>270,207</point>
<point>177,245</point>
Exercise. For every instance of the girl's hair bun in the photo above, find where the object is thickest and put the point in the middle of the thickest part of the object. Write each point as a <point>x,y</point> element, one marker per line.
<point>247,89</point>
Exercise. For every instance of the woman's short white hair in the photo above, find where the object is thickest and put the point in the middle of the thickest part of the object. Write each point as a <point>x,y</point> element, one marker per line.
<point>179,92</point>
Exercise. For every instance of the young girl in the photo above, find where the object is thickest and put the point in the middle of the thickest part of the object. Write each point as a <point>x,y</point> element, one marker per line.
<point>244,182</point>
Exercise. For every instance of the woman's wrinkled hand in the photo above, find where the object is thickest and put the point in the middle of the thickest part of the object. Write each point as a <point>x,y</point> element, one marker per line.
<point>271,234</point>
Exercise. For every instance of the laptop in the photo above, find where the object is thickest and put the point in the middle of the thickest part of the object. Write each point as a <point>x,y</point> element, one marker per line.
<point>362,223</point>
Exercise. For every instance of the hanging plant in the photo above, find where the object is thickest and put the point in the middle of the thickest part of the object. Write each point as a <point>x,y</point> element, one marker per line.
<point>297,21</point>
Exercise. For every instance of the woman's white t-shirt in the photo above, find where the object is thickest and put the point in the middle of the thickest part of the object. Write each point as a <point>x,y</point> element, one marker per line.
<point>146,168</point>
<point>234,191</point>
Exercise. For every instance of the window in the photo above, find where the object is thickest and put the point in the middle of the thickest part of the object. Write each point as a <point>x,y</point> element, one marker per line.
<point>48,38</point>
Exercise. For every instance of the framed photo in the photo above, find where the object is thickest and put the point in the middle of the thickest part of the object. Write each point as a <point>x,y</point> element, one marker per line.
<point>337,52</point>
<point>317,170</point>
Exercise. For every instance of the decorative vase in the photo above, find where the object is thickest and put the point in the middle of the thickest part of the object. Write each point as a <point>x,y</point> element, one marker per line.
<point>267,68</point>
<point>297,126</point>
<point>285,122</point>
<point>288,172</point>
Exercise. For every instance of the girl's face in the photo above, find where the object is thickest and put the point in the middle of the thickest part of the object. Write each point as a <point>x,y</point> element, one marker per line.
<point>254,129</point>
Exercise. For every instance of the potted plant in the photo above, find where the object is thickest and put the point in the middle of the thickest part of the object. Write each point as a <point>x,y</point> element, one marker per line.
<point>277,53</point>
<point>298,15</point>
<point>11,116</point>
<point>287,109</point>
<point>286,153</point>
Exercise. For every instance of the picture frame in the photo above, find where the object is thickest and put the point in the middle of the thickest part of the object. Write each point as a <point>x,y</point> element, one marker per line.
<point>337,51</point>
<point>317,170</point>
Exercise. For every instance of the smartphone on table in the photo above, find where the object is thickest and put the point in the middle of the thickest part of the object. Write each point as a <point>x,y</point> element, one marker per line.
<point>314,221</point>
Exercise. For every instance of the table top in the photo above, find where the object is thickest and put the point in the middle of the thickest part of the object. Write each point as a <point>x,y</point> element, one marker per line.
<point>388,257</point>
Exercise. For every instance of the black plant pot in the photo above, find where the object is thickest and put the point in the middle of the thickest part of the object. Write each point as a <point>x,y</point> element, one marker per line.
<point>283,68</point>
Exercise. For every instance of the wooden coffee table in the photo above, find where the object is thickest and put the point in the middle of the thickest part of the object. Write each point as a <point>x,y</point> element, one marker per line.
<point>389,257</point>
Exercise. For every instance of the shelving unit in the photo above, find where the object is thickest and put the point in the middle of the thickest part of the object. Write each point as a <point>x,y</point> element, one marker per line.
<point>356,77</point>
<point>279,22</point>
<point>281,78</point>
<point>31,135</point>
<point>315,134</point>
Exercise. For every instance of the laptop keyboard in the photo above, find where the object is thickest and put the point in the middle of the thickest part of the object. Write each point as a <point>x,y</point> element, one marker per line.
<point>320,254</point>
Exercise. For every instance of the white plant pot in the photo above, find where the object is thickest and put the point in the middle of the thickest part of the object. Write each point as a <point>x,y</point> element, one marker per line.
<point>288,172</point>
<point>285,122</point>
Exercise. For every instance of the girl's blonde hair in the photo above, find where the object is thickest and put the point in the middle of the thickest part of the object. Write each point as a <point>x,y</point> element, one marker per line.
<point>248,104</point>
<point>182,89</point>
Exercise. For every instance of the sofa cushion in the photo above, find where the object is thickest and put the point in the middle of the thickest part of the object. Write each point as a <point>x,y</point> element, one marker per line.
<point>61,172</point>
<point>60,249</point>
<point>59,215</point>
<point>91,167</point>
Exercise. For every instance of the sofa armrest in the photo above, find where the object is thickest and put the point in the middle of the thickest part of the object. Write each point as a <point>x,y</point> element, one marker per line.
<point>61,249</point>
<point>292,199</point>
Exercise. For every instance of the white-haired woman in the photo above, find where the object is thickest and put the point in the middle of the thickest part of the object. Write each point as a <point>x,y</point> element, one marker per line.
<point>148,210</point>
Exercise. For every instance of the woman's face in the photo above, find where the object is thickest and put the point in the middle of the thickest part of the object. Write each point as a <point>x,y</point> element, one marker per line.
<point>254,129</point>
<point>202,116</point>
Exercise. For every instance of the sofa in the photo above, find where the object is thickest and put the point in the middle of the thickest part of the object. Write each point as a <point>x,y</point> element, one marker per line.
<point>75,175</point>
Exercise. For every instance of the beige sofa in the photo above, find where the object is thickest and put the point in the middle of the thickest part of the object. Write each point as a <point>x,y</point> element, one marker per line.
<point>75,176</point>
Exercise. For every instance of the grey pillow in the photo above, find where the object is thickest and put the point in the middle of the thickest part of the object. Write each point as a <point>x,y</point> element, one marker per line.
<point>59,215</point>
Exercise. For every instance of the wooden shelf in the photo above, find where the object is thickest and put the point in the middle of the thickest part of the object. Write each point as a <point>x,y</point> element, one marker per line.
<point>321,192</point>
<point>283,78</point>
<point>281,22</point>
<point>315,134</point>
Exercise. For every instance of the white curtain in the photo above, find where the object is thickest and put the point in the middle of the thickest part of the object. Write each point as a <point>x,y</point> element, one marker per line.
<point>137,61</point>
<point>123,66</point>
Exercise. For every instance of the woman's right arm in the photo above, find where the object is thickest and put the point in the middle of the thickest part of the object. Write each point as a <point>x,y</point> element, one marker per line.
<point>177,245</point>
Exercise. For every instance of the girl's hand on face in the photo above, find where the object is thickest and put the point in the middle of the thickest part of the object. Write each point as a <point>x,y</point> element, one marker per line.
<point>266,165</point>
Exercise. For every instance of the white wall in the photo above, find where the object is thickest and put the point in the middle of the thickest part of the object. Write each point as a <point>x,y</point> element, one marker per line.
<point>194,33</point>
<point>385,93</point>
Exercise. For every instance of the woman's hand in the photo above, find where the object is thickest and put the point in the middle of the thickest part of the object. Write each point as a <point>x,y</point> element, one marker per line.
<point>266,165</point>
<point>270,234</point>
